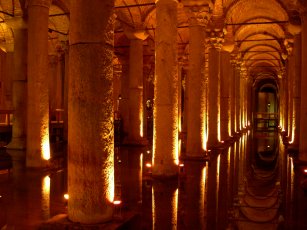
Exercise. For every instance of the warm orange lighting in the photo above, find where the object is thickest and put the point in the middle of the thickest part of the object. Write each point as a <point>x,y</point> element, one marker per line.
<point>181,165</point>
<point>305,170</point>
<point>141,121</point>
<point>46,197</point>
<point>148,151</point>
<point>117,202</point>
<point>66,196</point>
<point>109,183</point>
<point>148,165</point>
<point>45,147</point>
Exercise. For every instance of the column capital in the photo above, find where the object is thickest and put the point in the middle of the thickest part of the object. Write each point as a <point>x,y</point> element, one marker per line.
<point>42,3</point>
<point>198,16</point>
<point>135,34</point>
<point>215,38</point>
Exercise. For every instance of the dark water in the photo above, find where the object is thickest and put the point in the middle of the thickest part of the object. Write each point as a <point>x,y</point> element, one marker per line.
<point>250,185</point>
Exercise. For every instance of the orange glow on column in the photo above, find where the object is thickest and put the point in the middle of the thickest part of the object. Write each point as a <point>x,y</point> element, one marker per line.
<point>45,147</point>
<point>109,172</point>
<point>141,120</point>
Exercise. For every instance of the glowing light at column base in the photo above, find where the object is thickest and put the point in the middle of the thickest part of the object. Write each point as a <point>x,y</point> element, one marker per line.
<point>141,122</point>
<point>45,148</point>
<point>109,173</point>
<point>46,197</point>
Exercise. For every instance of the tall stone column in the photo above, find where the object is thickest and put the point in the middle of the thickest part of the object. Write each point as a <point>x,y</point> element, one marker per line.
<point>232,84</point>
<point>165,137</point>
<point>90,112</point>
<point>7,60</point>
<point>52,79</point>
<point>196,107</point>
<point>214,57</point>
<point>136,110</point>
<point>38,146</point>
<point>303,115</point>
<point>65,93</point>
<point>296,84</point>
<point>225,95</point>
<point>237,96</point>
<point>19,84</point>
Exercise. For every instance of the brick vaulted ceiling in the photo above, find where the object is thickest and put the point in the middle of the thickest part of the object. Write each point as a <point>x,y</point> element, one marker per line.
<point>261,30</point>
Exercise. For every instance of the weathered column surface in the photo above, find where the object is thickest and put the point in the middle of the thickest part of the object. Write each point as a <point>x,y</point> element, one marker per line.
<point>225,95</point>
<point>165,139</point>
<point>196,107</point>
<point>237,96</point>
<point>19,84</point>
<point>38,149</point>
<point>303,115</point>
<point>214,49</point>
<point>136,110</point>
<point>90,112</point>
<point>232,84</point>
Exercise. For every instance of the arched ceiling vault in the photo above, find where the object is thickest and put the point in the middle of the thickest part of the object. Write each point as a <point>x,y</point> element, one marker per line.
<point>258,28</point>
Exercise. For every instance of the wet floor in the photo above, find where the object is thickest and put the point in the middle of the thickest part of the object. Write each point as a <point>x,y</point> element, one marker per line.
<point>250,185</point>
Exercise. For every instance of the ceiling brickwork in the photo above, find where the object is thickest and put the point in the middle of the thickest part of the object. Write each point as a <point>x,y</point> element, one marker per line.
<point>257,28</point>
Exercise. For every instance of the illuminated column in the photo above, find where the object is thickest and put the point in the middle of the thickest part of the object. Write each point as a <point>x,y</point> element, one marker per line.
<point>136,110</point>
<point>90,112</point>
<point>214,57</point>
<point>165,139</point>
<point>237,96</point>
<point>19,85</point>
<point>225,95</point>
<point>297,49</point>
<point>303,115</point>
<point>286,103</point>
<point>38,149</point>
<point>232,85</point>
<point>196,107</point>
<point>290,72</point>
<point>65,93</point>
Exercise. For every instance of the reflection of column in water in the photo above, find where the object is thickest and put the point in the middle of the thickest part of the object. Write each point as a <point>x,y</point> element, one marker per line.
<point>192,196</point>
<point>212,189</point>
<point>46,197</point>
<point>165,204</point>
<point>223,187</point>
<point>131,177</point>
<point>58,187</point>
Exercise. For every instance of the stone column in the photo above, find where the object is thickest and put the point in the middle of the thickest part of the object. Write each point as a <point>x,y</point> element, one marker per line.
<point>52,81</point>
<point>237,96</point>
<point>19,84</point>
<point>38,147</point>
<point>165,137</point>
<point>8,65</point>
<point>225,95</point>
<point>90,112</point>
<point>196,107</point>
<point>136,110</point>
<point>65,93</point>
<point>232,84</point>
<point>297,55</point>
<point>303,115</point>
<point>214,57</point>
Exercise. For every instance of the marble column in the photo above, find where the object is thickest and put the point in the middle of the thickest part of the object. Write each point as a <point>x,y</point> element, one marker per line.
<point>165,136</point>
<point>19,84</point>
<point>196,107</point>
<point>38,146</point>
<point>303,114</point>
<point>136,110</point>
<point>65,89</point>
<point>52,79</point>
<point>7,60</point>
<point>290,73</point>
<point>297,55</point>
<point>225,95</point>
<point>214,57</point>
<point>90,112</point>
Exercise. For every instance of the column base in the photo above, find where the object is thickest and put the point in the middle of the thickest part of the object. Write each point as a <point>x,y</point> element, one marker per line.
<point>120,221</point>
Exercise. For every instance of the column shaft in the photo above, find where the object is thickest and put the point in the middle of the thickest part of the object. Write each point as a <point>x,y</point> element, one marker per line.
<point>303,115</point>
<point>213,96</point>
<point>90,112</point>
<point>38,149</point>
<point>237,98</point>
<point>297,90</point>
<point>196,100</point>
<point>135,134</point>
<point>19,89</point>
<point>225,95</point>
<point>165,139</point>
